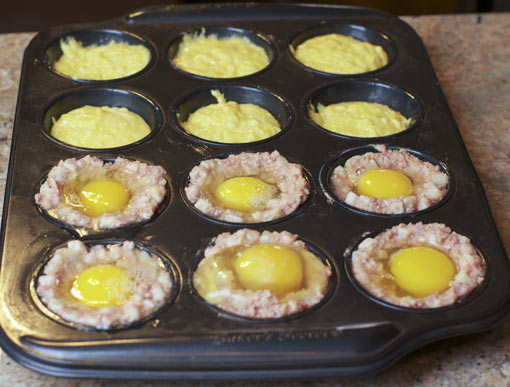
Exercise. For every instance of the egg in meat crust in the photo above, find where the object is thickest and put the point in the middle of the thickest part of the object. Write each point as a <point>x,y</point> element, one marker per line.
<point>418,266</point>
<point>340,54</point>
<point>389,182</point>
<point>100,62</point>
<point>247,187</point>
<point>103,286</point>
<point>261,275</point>
<point>94,194</point>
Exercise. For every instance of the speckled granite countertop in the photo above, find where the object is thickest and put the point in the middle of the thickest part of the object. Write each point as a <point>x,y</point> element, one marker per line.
<point>471,56</point>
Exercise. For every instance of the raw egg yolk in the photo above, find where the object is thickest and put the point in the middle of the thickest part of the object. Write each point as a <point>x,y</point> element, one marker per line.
<point>243,193</point>
<point>422,271</point>
<point>384,183</point>
<point>104,285</point>
<point>272,267</point>
<point>98,197</point>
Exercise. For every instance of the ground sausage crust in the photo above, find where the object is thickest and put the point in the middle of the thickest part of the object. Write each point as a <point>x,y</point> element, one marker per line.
<point>367,262</point>
<point>151,288</point>
<point>430,184</point>
<point>146,185</point>
<point>263,303</point>
<point>288,177</point>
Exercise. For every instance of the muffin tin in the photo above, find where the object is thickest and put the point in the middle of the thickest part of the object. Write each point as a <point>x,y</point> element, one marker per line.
<point>349,333</point>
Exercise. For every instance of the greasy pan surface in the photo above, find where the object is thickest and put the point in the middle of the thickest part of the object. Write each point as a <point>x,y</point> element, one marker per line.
<point>349,333</point>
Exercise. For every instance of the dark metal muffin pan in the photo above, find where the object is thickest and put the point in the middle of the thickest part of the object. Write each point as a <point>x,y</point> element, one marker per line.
<point>349,333</point>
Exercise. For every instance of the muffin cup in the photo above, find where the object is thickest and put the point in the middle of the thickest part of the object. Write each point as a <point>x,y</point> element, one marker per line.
<point>332,287</point>
<point>197,99</point>
<point>75,99</point>
<point>97,37</point>
<point>358,32</point>
<point>366,91</point>
<point>163,261</point>
<point>223,32</point>
<point>340,159</point>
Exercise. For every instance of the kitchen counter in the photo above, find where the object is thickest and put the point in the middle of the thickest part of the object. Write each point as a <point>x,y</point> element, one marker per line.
<point>471,56</point>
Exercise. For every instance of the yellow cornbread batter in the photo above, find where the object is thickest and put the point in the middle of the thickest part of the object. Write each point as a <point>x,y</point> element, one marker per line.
<point>100,127</point>
<point>359,119</point>
<point>212,57</point>
<point>111,61</point>
<point>230,122</point>
<point>340,54</point>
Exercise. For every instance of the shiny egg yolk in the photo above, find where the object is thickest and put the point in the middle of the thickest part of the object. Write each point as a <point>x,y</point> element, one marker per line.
<point>384,184</point>
<point>243,193</point>
<point>100,286</point>
<point>422,271</point>
<point>270,267</point>
<point>98,197</point>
